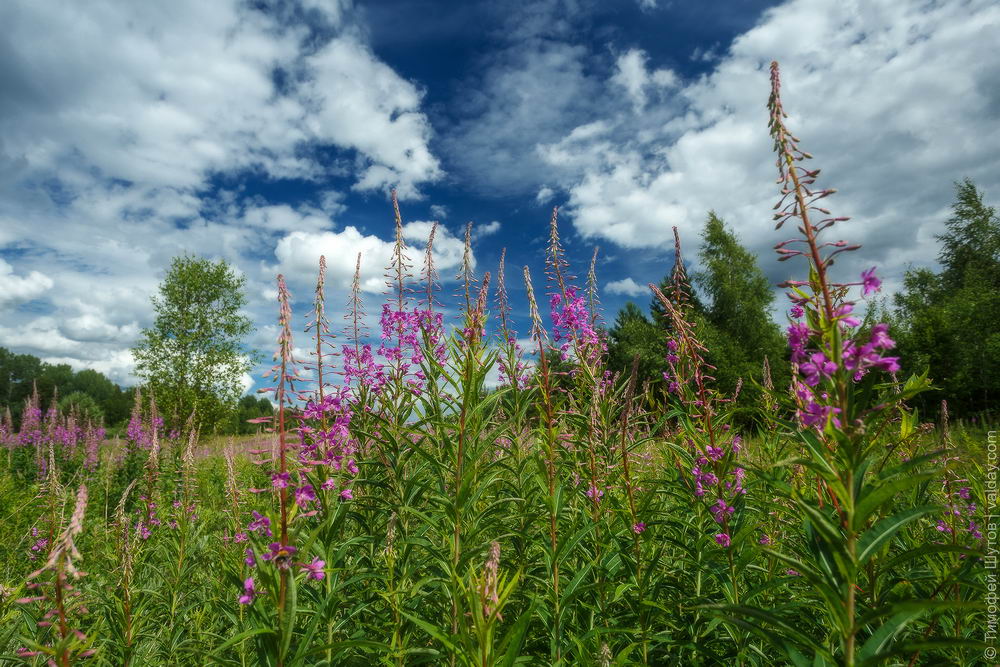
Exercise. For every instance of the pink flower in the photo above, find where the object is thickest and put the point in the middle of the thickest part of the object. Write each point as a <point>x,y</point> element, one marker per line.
<point>639,528</point>
<point>304,495</point>
<point>260,524</point>
<point>721,511</point>
<point>347,494</point>
<point>870,283</point>
<point>249,592</point>
<point>880,337</point>
<point>314,569</point>
<point>722,539</point>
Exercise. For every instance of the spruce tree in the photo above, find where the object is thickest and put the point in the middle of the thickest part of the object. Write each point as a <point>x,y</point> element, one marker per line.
<point>631,335</point>
<point>948,319</point>
<point>740,330</point>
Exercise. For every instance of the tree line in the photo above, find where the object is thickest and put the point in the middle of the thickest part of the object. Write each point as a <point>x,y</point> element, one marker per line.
<point>946,322</point>
<point>92,395</point>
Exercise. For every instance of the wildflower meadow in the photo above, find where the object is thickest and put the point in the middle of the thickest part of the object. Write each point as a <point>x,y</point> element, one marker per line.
<point>399,508</point>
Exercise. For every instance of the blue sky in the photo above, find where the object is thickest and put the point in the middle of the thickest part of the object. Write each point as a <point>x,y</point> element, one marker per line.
<point>268,132</point>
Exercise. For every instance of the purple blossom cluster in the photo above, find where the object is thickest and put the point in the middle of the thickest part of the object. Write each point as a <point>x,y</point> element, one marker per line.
<point>404,334</point>
<point>277,555</point>
<point>148,519</point>
<point>140,432</point>
<point>69,437</point>
<point>360,368</point>
<point>40,545</point>
<point>719,482</point>
<point>816,366</point>
<point>571,324</point>
<point>330,445</point>
<point>959,511</point>
<point>513,370</point>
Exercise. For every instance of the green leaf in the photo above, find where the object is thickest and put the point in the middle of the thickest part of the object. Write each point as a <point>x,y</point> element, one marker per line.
<point>246,634</point>
<point>882,637</point>
<point>883,530</point>
<point>873,498</point>
<point>514,639</point>
<point>783,640</point>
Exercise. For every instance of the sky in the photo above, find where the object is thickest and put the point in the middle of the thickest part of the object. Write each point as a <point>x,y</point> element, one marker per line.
<point>266,133</point>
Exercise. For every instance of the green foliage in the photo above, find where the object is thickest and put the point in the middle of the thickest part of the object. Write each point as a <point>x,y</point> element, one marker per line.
<point>741,332</point>
<point>390,580</point>
<point>249,408</point>
<point>733,321</point>
<point>83,405</point>
<point>19,373</point>
<point>192,358</point>
<point>633,335</point>
<point>948,319</point>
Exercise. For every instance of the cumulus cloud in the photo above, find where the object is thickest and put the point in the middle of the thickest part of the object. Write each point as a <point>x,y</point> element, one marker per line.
<point>625,287</point>
<point>130,142</point>
<point>363,104</point>
<point>16,289</point>
<point>487,229</point>
<point>632,74</point>
<point>161,98</point>
<point>284,218</point>
<point>868,105</point>
<point>298,253</point>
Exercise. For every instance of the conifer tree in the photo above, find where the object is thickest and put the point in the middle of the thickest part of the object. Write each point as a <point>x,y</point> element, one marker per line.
<point>948,319</point>
<point>741,331</point>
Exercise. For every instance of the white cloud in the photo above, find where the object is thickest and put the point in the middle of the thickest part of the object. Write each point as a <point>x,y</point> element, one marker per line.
<point>298,254</point>
<point>869,105</point>
<point>364,104</point>
<point>246,382</point>
<point>529,94</point>
<point>448,248</point>
<point>115,141</point>
<point>284,218</point>
<point>16,289</point>
<point>625,287</point>
<point>487,229</point>
<point>632,74</point>
<point>116,364</point>
<point>439,212</point>
<point>545,194</point>
<point>163,98</point>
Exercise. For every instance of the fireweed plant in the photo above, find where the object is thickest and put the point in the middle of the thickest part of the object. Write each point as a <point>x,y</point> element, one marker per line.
<point>850,417</point>
<point>434,489</point>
